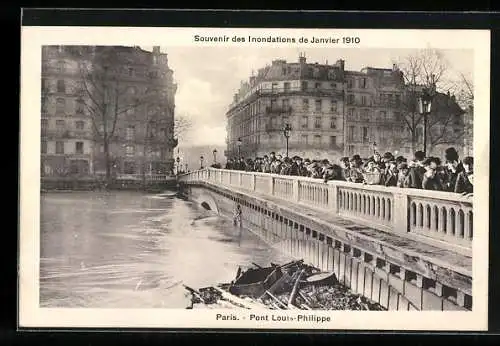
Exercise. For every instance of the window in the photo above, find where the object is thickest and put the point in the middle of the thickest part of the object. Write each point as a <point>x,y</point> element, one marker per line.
<point>274,123</point>
<point>317,140</point>
<point>286,86</point>
<point>333,123</point>
<point>60,105</point>
<point>317,85</point>
<point>350,83</point>
<point>365,134</point>
<point>333,106</point>
<point>61,66</point>
<point>155,60</point>
<point>79,147</point>
<point>363,83</point>
<point>351,133</point>
<point>274,87</point>
<point>130,71</point>
<point>350,113</point>
<point>80,125</point>
<point>44,147</point>
<point>317,123</point>
<point>129,167</point>
<point>363,100</point>
<point>285,120</point>
<point>383,114</point>
<point>59,147</point>
<point>317,105</point>
<point>305,104</point>
<point>304,139</point>
<point>80,105</point>
<point>304,86</point>
<point>273,103</point>
<point>61,86</point>
<point>45,124</point>
<point>350,99</point>
<point>398,100</point>
<point>130,133</point>
<point>129,150</point>
<point>285,103</point>
<point>60,125</point>
<point>305,122</point>
<point>101,148</point>
<point>333,141</point>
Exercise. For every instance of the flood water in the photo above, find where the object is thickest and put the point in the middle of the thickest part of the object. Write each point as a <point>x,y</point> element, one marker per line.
<point>133,250</point>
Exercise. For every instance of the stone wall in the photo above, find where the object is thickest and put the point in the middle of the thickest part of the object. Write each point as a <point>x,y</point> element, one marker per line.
<point>395,284</point>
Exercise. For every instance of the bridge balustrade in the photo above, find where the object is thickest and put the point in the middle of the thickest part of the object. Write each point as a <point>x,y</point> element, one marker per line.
<point>442,218</point>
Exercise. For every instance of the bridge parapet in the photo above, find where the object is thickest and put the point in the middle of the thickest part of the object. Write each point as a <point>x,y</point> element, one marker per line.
<point>443,219</point>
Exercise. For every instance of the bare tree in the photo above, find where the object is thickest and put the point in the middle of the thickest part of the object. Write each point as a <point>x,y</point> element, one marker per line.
<point>182,125</point>
<point>104,96</point>
<point>424,69</point>
<point>446,126</point>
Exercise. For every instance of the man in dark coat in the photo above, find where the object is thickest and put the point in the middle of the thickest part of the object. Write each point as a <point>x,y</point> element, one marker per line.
<point>453,168</point>
<point>417,170</point>
<point>431,179</point>
<point>465,180</point>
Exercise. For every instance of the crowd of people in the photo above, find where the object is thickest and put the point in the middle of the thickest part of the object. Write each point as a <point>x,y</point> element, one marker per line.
<point>428,173</point>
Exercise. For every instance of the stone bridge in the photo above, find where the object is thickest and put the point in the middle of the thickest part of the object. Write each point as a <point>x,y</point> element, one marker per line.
<point>407,249</point>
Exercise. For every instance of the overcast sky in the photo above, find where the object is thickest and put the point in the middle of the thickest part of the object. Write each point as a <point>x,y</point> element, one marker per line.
<point>208,77</point>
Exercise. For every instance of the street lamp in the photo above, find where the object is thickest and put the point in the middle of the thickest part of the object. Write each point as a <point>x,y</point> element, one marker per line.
<point>186,165</point>
<point>178,166</point>
<point>286,133</point>
<point>239,142</point>
<point>201,162</point>
<point>374,147</point>
<point>425,107</point>
<point>215,156</point>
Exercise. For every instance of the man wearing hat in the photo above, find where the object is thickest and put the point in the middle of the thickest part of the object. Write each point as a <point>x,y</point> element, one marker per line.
<point>453,168</point>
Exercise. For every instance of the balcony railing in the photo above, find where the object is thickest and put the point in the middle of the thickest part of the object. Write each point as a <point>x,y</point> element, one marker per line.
<point>77,134</point>
<point>278,109</point>
<point>443,219</point>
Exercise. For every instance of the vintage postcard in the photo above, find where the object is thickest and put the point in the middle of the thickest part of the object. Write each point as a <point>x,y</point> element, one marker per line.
<point>254,178</point>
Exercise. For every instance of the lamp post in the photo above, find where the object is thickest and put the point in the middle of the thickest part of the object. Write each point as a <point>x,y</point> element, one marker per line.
<point>425,108</point>
<point>374,147</point>
<point>186,165</point>
<point>201,162</point>
<point>215,156</point>
<point>178,160</point>
<point>239,143</point>
<point>286,133</point>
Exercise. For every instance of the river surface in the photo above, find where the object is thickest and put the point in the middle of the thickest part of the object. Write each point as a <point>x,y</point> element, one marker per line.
<point>133,250</point>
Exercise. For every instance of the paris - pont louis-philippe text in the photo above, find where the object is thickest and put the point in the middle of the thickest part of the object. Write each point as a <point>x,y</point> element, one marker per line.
<point>278,39</point>
<point>309,317</point>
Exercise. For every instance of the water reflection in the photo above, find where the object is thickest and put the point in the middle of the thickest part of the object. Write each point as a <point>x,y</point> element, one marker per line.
<point>118,250</point>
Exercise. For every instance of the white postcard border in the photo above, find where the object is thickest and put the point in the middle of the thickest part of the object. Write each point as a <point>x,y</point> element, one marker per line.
<point>31,315</point>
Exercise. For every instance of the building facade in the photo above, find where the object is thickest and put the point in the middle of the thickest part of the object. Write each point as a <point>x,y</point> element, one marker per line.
<point>332,112</point>
<point>106,105</point>
<point>308,97</point>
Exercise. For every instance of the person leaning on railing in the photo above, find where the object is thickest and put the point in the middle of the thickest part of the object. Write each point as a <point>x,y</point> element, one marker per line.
<point>465,179</point>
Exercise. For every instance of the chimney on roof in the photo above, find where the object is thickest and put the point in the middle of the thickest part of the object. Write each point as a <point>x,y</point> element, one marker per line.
<point>341,64</point>
<point>394,67</point>
<point>302,58</point>
<point>156,49</point>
